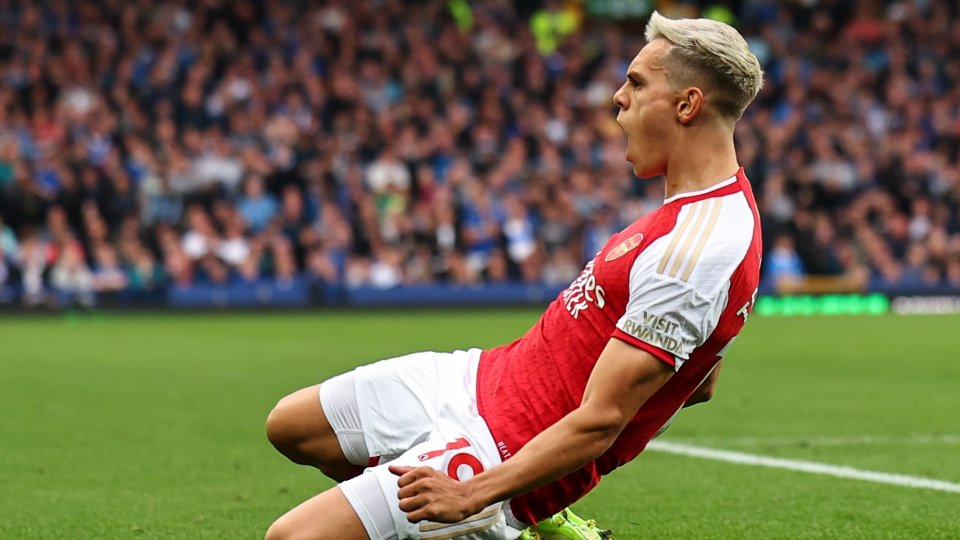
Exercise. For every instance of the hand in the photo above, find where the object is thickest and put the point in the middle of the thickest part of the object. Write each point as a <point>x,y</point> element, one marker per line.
<point>428,494</point>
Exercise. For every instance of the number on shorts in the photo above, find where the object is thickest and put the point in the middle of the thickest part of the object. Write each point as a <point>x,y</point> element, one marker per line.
<point>458,460</point>
<point>453,468</point>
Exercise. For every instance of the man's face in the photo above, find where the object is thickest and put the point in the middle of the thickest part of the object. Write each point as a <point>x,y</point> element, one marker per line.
<point>648,111</point>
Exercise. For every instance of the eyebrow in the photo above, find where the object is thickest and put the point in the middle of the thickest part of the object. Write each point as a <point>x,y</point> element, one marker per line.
<point>634,76</point>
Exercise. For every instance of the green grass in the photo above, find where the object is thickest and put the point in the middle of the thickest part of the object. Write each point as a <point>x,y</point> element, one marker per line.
<point>152,426</point>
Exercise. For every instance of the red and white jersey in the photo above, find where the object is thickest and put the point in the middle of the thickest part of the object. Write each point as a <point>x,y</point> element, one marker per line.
<point>678,283</point>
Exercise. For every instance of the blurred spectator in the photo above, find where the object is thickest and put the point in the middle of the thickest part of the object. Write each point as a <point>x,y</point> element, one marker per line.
<point>71,276</point>
<point>784,264</point>
<point>144,273</point>
<point>234,249</point>
<point>552,23</point>
<point>33,263</point>
<point>108,276</point>
<point>396,142</point>
<point>385,272</point>
<point>8,253</point>
<point>386,172</point>
<point>519,232</point>
<point>9,247</point>
<point>953,274</point>
<point>257,206</point>
<point>481,228</point>
<point>201,238</point>
<point>561,268</point>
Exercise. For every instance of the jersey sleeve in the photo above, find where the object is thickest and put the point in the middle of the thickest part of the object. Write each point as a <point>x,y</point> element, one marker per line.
<point>679,285</point>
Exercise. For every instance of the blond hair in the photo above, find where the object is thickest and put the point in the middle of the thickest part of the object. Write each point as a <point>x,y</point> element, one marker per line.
<point>712,56</point>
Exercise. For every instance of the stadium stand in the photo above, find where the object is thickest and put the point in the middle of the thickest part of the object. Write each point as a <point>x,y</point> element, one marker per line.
<point>152,149</point>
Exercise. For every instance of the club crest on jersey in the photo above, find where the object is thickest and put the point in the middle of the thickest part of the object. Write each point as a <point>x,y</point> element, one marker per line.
<point>624,247</point>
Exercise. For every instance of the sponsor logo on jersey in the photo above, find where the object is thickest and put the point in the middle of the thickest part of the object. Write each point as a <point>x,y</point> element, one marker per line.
<point>657,331</point>
<point>584,292</point>
<point>624,247</point>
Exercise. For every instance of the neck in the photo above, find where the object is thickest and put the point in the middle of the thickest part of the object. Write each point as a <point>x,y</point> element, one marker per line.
<point>701,159</point>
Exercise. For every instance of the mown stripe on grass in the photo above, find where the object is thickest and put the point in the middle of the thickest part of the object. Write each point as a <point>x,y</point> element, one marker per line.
<point>803,466</point>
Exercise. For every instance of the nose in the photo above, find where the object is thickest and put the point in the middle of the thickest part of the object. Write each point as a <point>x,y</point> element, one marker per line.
<point>620,98</point>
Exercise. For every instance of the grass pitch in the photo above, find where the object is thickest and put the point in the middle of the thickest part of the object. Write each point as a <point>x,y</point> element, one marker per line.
<point>152,426</point>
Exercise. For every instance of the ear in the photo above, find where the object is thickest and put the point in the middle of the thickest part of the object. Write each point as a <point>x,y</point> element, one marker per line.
<point>689,104</point>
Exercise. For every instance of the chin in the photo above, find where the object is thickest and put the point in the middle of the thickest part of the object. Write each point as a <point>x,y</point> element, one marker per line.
<point>645,172</point>
<point>638,167</point>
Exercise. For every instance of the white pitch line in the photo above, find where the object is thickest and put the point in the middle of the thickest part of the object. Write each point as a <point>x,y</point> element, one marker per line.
<point>833,441</point>
<point>803,466</point>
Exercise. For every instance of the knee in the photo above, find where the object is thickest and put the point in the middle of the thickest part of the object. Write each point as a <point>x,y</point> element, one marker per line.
<point>281,429</point>
<point>296,428</point>
<point>276,532</point>
<point>281,531</point>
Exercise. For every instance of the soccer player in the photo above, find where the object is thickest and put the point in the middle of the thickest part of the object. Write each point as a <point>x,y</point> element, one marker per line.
<point>482,444</point>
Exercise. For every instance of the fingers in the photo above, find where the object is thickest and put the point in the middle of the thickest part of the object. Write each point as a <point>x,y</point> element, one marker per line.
<point>400,471</point>
<point>413,484</point>
<point>412,504</point>
<point>417,506</point>
<point>419,509</point>
<point>425,494</point>
<point>416,492</point>
<point>419,515</point>
<point>409,475</point>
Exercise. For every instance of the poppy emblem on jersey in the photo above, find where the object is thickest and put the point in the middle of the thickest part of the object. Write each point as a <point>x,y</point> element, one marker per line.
<point>624,247</point>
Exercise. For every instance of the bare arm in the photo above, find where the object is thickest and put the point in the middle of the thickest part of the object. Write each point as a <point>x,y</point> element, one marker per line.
<point>622,380</point>
<point>705,391</point>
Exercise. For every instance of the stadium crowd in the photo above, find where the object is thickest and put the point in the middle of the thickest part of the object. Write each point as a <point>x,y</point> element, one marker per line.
<point>153,143</point>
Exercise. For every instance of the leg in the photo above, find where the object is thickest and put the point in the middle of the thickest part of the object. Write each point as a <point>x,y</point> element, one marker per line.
<point>405,400</point>
<point>299,429</point>
<point>366,507</point>
<point>328,516</point>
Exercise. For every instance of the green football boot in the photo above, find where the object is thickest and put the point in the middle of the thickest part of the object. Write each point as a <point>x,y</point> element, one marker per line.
<point>565,525</point>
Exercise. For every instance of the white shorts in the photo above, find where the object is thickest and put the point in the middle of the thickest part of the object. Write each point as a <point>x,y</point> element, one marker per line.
<point>415,410</point>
